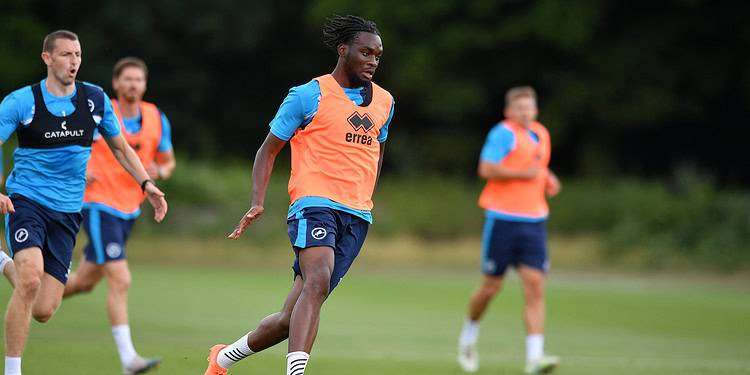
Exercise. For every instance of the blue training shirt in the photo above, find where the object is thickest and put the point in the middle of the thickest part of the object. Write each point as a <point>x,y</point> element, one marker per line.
<point>499,143</point>
<point>298,109</point>
<point>55,177</point>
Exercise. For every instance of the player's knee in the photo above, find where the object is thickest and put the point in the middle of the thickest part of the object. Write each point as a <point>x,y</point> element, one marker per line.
<point>120,282</point>
<point>318,286</point>
<point>29,284</point>
<point>534,291</point>
<point>490,288</point>
<point>86,286</point>
<point>43,314</point>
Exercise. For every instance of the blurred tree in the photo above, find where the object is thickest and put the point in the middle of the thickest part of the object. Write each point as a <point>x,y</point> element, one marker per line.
<point>639,87</point>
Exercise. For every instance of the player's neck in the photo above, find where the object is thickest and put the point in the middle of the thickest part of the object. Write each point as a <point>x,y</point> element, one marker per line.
<point>521,124</point>
<point>129,109</point>
<point>58,88</point>
<point>339,74</point>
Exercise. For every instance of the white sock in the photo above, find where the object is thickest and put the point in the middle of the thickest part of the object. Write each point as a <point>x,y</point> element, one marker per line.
<point>470,333</point>
<point>4,260</point>
<point>234,353</point>
<point>296,363</point>
<point>124,343</point>
<point>534,347</point>
<point>12,365</point>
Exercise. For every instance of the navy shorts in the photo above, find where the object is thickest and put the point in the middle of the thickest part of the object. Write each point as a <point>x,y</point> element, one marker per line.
<point>33,225</point>
<point>107,235</point>
<point>513,243</point>
<point>320,226</point>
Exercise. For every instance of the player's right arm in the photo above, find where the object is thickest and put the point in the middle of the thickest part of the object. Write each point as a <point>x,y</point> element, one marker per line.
<point>10,117</point>
<point>297,108</point>
<point>262,169</point>
<point>500,142</point>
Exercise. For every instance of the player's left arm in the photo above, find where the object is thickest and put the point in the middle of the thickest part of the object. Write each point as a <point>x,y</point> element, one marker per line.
<point>382,137</point>
<point>165,160</point>
<point>553,185</point>
<point>109,127</point>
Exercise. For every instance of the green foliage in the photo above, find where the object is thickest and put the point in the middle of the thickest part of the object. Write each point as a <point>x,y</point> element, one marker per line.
<point>689,221</point>
<point>603,68</point>
<point>692,220</point>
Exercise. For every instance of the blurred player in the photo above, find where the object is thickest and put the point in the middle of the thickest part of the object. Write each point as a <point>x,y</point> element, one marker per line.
<point>7,268</point>
<point>514,162</point>
<point>55,122</point>
<point>112,203</point>
<point>336,125</point>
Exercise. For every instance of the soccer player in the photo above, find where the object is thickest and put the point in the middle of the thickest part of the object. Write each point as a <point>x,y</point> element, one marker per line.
<point>112,203</point>
<point>337,125</point>
<point>514,161</point>
<point>55,121</point>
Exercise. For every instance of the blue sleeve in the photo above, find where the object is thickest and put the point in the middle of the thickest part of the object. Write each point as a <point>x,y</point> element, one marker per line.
<point>165,144</point>
<point>383,136</point>
<point>109,126</point>
<point>297,109</point>
<point>499,143</point>
<point>9,117</point>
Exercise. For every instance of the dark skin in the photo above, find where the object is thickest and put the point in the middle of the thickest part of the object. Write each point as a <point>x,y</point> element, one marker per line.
<point>300,315</point>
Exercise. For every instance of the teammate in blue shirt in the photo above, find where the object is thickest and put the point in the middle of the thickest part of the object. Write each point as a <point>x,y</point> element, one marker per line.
<point>55,122</point>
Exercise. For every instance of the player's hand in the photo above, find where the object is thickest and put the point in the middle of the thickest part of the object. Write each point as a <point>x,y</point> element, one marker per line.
<point>530,174</point>
<point>90,178</point>
<point>254,213</point>
<point>6,205</point>
<point>553,185</point>
<point>156,198</point>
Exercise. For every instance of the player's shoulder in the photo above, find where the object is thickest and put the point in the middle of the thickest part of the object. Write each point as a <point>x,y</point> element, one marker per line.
<point>501,130</point>
<point>20,100</point>
<point>539,127</point>
<point>21,94</point>
<point>307,90</point>
<point>93,89</point>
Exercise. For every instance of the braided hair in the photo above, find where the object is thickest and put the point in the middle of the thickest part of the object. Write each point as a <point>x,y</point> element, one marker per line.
<point>343,29</point>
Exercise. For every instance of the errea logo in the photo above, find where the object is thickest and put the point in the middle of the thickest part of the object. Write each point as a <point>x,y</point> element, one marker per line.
<point>360,123</point>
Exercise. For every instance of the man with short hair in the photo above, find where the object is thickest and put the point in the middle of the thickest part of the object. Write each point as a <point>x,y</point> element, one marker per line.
<point>55,121</point>
<point>112,203</point>
<point>337,125</point>
<point>514,161</point>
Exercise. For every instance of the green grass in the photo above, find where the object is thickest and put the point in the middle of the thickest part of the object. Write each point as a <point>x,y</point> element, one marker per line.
<point>398,318</point>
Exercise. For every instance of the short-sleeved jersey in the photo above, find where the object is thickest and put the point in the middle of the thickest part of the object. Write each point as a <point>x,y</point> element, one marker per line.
<point>298,110</point>
<point>516,147</point>
<point>53,177</point>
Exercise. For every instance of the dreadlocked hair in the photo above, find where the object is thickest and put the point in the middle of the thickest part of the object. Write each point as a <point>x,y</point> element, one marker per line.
<point>343,29</point>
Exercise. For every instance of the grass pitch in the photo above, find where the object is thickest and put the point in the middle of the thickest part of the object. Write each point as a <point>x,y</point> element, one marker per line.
<point>402,319</point>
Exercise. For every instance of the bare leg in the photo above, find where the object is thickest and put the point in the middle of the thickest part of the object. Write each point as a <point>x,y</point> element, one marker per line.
<point>118,279</point>
<point>532,280</point>
<point>84,279</point>
<point>274,328</point>
<point>482,297</point>
<point>10,273</point>
<point>48,299</point>
<point>30,268</point>
<point>317,266</point>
